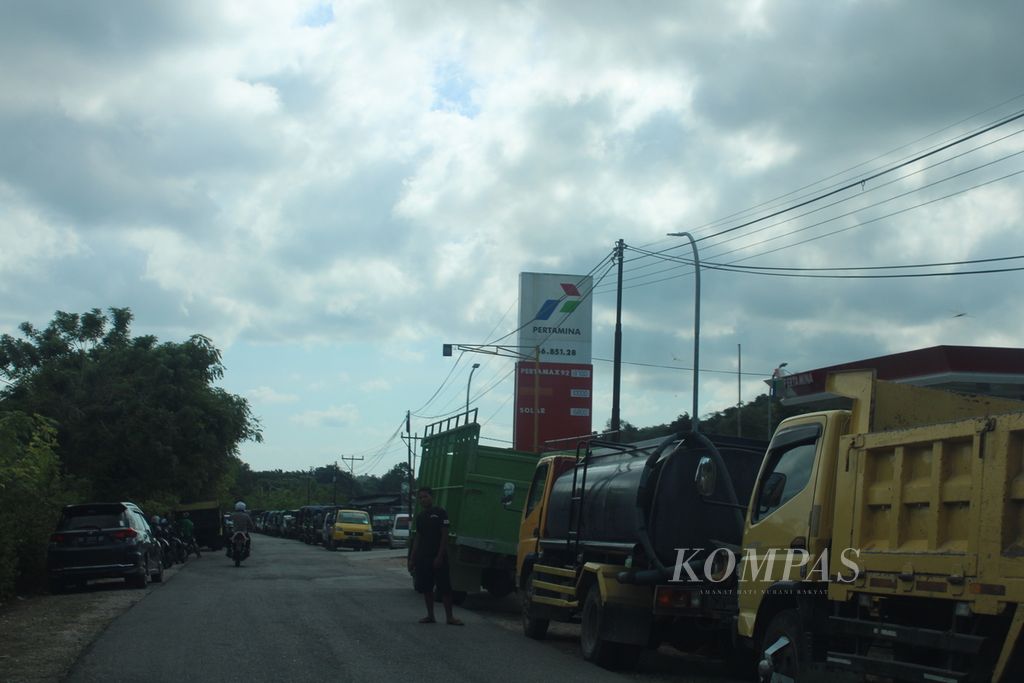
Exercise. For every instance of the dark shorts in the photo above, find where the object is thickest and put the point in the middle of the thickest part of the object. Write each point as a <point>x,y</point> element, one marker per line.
<point>427,577</point>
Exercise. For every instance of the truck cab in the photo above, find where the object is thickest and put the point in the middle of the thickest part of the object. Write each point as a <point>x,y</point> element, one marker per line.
<point>880,539</point>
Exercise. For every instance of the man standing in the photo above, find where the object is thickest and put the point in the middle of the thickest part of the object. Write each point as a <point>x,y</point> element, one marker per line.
<point>428,561</point>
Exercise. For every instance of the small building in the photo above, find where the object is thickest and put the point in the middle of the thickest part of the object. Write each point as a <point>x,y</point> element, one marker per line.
<point>989,371</point>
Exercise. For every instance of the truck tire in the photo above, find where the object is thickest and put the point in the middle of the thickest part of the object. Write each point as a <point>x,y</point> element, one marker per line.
<point>791,660</point>
<point>532,627</point>
<point>602,652</point>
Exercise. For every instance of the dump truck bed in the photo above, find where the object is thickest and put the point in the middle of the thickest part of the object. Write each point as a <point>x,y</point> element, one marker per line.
<point>936,510</point>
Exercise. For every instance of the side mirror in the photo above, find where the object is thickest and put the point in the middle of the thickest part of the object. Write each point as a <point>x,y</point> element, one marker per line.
<point>508,492</point>
<point>771,494</point>
<point>706,476</point>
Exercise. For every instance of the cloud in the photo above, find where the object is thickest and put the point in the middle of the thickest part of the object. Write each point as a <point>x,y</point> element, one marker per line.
<point>269,395</point>
<point>332,417</point>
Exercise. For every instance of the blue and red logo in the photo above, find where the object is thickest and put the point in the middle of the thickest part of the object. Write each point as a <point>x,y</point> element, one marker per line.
<point>548,308</point>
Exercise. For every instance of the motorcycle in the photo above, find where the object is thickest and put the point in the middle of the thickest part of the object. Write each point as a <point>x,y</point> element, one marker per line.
<point>191,547</point>
<point>177,547</point>
<point>239,547</point>
<point>166,554</point>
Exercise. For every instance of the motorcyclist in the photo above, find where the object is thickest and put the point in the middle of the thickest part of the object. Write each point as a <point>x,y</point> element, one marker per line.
<point>241,521</point>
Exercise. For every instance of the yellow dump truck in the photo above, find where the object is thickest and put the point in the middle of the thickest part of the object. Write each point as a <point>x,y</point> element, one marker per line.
<point>887,539</point>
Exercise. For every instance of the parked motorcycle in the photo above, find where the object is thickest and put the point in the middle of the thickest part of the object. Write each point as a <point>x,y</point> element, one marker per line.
<point>191,547</point>
<point>239,547</point>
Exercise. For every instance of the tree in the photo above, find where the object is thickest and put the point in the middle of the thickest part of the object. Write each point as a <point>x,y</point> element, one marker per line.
<point>135,418</point>
<point>392,480</point>
<point>30,495</point>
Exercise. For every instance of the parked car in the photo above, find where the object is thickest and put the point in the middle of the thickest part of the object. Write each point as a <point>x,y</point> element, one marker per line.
<point>399,532</point>
<point>381,529</point>
<point>102,541</point>
<point>350,528</point>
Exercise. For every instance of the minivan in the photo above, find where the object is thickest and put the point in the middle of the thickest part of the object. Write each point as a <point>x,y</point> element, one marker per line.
<point>102,541</point>
<point>400,532</point>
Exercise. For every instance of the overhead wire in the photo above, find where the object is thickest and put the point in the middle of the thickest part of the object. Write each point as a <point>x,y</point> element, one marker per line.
<point>776,200</point>
<point>837,217</point>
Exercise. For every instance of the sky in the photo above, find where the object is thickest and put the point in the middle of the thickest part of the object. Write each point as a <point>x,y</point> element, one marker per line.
<point>331,191</point>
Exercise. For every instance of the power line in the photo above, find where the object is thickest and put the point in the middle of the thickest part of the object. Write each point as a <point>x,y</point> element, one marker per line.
<point>663,256</point>
<point>680,367</point>
<point>869,178</point>
<point>776,200</point>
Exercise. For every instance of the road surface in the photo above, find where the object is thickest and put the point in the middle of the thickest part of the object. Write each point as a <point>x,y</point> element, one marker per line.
<point>294,612</point>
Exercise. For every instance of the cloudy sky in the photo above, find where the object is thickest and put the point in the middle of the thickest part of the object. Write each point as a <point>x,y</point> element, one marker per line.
<point>331,191</point>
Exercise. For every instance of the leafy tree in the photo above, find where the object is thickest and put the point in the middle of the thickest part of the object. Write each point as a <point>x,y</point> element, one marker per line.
<point>134,417</point>
<point>31,492</point>
<point>392,480</point>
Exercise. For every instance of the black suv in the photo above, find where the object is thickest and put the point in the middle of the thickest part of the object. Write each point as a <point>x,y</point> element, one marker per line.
<point>102,541</point>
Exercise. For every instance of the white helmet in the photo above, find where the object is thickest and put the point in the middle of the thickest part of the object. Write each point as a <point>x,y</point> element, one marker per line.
<point>240,506</point>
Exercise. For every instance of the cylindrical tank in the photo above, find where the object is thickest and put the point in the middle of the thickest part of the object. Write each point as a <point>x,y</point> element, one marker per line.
<point>672,514</point>
<point>609,504</point>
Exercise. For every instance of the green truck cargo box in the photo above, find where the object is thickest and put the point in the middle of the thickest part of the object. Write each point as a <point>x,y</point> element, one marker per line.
<point>206,518</point>
<point>483,489</point>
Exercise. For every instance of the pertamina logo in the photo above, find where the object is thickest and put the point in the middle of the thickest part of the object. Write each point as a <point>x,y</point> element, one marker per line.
<point>568,304</point>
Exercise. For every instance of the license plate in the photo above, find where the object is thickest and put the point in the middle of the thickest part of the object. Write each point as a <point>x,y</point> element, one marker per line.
<point>353,533</point>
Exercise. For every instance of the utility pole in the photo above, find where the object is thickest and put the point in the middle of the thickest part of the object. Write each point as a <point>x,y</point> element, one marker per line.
<point>408,432</point>
<point>617,362</point>
<point>351,466</point>
<point>739,389</point>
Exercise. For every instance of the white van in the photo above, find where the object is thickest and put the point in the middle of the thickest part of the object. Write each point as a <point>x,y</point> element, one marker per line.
<point>399,532</point>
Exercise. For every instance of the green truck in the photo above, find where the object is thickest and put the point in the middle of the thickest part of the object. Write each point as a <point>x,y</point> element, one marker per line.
<point>483,489</point>
<point>206,518</point>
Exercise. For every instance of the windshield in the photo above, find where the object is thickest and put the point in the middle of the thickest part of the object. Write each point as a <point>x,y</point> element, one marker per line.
<point>353,518</point>
<point>402,523</point>
<point>98,521</point>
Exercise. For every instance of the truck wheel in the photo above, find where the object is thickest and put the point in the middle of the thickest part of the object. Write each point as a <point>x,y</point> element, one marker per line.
<point>532,627</point>
<point>792,659</point>
<point>602,652</point>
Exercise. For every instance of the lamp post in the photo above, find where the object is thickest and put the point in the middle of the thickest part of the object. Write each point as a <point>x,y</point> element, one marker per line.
<point>470,381</point>
<point>776,374</point>
<point>694,420</point>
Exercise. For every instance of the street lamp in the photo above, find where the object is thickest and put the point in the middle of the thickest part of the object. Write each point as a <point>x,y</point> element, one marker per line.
<point>694,420</point>
<point>470,381</point>
<point>776,374</point>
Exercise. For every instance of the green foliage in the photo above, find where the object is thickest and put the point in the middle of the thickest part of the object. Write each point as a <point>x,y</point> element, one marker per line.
<point>138,419</point>
<point>752,422</point>
<point>30,497</point>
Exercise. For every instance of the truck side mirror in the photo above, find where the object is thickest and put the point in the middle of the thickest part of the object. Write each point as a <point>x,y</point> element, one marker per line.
<point>706,476</point>
<point>508,492</point>
<point>771,494</point>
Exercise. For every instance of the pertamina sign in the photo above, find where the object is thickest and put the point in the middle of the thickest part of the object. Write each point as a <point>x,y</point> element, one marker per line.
<point>554,393</point>
<point>556,314</point>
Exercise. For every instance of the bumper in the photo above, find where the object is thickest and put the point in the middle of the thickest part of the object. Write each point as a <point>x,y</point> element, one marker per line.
<point>103,571</point>
<point>359,541</point>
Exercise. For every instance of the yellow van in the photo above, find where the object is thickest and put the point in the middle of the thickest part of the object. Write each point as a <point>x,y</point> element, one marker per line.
<point>349,528</point>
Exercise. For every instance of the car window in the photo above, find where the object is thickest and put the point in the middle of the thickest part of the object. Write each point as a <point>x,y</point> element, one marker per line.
<point>537,487</point>
<point>402,523</point>
<point>788,475</point>
<point>93,521</point>
<point>354,518</point>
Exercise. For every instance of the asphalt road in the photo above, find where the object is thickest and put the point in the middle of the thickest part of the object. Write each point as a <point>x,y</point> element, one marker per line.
<point>294,612</point>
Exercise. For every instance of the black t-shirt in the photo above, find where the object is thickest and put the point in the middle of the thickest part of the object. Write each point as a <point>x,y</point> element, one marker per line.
<point>431,528</point>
